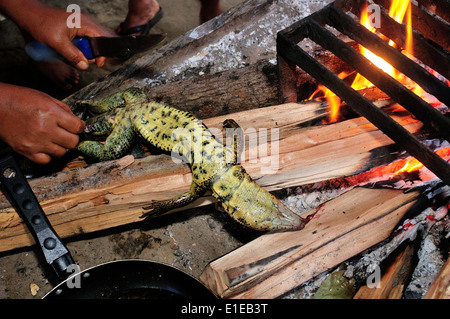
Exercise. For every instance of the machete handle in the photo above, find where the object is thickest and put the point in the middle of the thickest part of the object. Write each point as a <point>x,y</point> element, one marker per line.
<point>42,53</point>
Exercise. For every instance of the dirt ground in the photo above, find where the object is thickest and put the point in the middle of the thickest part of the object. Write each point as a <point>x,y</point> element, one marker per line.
<point>187,240</point>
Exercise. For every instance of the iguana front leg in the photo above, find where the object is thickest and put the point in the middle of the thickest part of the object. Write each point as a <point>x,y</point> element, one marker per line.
<point>118,143</point>
<point>100,126</point>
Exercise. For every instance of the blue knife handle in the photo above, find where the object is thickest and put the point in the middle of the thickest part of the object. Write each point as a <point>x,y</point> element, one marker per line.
<point>40,52</point>
<point>82,43</point>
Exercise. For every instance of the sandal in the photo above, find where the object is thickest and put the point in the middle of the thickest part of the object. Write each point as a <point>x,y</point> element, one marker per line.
<point>143,29</point>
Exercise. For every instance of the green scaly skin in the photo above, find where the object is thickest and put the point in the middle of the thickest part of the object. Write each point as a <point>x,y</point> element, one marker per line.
<point>124,115</point>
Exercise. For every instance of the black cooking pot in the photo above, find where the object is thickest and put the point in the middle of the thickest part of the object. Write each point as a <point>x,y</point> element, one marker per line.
<point>130,279</point>
<point>127,279</point>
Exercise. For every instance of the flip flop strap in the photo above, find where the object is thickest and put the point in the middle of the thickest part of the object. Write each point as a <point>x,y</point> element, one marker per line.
<point>143,28</point>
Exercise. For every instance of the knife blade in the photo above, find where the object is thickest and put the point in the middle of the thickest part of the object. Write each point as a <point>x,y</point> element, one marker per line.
<point>92,47</point>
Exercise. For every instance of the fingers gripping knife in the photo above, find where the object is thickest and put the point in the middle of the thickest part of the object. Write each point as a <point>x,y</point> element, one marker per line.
<point>18,191</point>
<point>92,47</point>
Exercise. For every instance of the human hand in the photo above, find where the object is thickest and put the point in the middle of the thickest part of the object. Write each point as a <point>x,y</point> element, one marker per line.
<point>53,32</point>
<point>36,125</point>
<point>48,25</point>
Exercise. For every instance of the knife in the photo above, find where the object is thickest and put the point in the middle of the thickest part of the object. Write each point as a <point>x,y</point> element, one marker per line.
<point>92,47</point>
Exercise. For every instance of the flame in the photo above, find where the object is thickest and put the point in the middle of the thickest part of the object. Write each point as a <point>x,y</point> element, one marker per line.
<point>334,102</point>
<point>397,11</point>
<point>400,11</point>
<point>412,164</point>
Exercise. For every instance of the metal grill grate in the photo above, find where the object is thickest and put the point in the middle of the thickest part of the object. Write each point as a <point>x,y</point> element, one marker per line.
<point>334,15</point>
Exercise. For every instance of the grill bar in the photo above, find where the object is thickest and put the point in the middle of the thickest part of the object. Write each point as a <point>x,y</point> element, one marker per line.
<point>426,52</point>
<point>410,101</point>
<point>432,28</point>
<point>371,41</point>
<point>290,54</point>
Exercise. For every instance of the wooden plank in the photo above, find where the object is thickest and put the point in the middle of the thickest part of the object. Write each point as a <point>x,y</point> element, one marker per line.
<point>111,194</point>
<point>275,263</point>
<point>440,288</point>
<point>393,280</point>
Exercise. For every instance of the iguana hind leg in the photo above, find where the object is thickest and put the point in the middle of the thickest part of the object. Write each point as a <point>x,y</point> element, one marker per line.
<point>230,124</point>
<point>158,208</point>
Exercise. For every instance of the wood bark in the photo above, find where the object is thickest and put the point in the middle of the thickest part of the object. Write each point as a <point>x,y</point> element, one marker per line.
<point>251,87</point>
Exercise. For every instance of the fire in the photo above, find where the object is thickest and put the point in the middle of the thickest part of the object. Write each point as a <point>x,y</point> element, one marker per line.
<point>400,11</point>
<point>412,164</point>
<point>397,11</point>
<point>334,102</point>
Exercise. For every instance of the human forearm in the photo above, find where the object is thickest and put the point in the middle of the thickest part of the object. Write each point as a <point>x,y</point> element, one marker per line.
<point>25,13</point>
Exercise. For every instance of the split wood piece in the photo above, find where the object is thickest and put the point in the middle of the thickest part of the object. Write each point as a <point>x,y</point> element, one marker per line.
<point>393,280</point>
<point>111,194</point>
<point>440,288</point>
<point>275,263</point>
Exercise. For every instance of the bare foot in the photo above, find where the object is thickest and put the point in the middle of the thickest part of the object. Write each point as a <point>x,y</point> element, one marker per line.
<point>62,74</point>
<point>140,12</point>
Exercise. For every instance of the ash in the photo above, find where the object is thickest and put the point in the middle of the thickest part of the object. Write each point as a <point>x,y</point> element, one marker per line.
<point>238,45</point>
<point>306,198</point>
<point>430,262</point>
